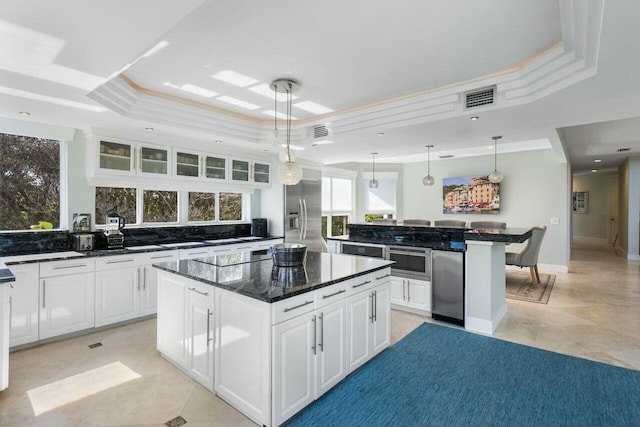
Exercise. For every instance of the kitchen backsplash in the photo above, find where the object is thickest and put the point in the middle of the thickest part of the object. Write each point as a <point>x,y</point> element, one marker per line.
<point>20,243</point>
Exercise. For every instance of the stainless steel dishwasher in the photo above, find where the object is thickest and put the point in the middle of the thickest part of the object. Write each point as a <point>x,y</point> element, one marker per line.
<point>447,286</point>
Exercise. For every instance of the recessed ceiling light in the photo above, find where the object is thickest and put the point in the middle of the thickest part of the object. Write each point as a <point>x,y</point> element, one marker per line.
<point>594,170</point>
<point>264,90</point>
<point>323,142</point>
<point>380,133</point>
<point>490,147</point>
<point>292,147</point>
<point>597,160</point>
<point>237,102</point>
<point>25,113</point>
<point>234,78</point>
<point>266,150</point>
<point>197,90</point>
<point>280,115</point>
<point>149,129</point>
<point>313,107</point>
<point>474,118</point>
<point>217,141</point>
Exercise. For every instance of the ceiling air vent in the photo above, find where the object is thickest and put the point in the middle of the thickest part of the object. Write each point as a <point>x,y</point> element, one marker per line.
<point>478,98</point>
<point>622,150</point>
<point>320,132</point>
<point>446,156</point>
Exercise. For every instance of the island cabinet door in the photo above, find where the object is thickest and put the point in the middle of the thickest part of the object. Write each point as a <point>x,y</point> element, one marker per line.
<point>381,332</point>
<point>294,347</point>
<point>330,351</point>
<point>200,337</point>
<point>398,290</point>
<point>172,304</point>
<point>359,317</point>
<point>24,304</point>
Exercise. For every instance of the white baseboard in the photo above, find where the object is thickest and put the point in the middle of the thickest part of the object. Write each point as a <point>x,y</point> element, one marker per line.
<point>594,240</point>
<point>632,257</point>
<point>553,268</point>
<point>485,326</point>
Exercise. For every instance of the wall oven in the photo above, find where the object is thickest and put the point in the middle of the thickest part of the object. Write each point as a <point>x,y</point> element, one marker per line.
<point>411,262</point>
<point>364,249</point>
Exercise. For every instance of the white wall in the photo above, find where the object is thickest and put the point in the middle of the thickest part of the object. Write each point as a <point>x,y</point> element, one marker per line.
<point>594,223</point>
<point>629,207</point>
<point>81,197</point>
<point>534,190</point>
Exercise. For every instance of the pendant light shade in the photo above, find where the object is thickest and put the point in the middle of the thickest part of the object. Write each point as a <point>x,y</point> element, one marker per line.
<point>428,180</point>
<point>289,172</point>
<point>495,176</point>
<point>374,182</point>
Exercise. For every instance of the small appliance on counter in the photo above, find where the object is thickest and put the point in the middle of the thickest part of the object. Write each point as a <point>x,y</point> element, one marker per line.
<point>259,227</point>
<point>83,242</point>
<point>113,233</point>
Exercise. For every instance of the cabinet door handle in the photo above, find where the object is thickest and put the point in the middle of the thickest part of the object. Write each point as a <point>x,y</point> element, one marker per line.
<point>375,306</point>
<point>221,250</point>
<point>140,159</point>
<point>163,256</point>
<point>361,284</point>
<point>196,253</point>
<point>199,292</point>
<point>138,280</point>
<point>134,159</point>
<point>44,293</point>
<point>10,310</point>
<point>386,275</point>
<point>408,292</point>
<point>120,261</point>
<point>244,247</point>
<point>371,297</point>
<point>287,309</point>
<point>313,347</point>
<point>62,267</point>
<point>144,278</point>
<point>403,291</point>
<point>208,326</point>
<point>333,294</point>
<point>321,332</point>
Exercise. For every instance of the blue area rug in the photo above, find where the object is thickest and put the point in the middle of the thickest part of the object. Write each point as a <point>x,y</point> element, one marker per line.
<point>439,376</point>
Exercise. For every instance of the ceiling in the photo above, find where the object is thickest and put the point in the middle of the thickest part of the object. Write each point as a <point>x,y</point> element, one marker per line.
<point>564,72</point>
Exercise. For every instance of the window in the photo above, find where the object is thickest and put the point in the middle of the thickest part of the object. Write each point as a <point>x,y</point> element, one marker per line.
<point>230,206</point>
<point>337,204</point>
<point>202,206</point>
<point>380,202</point>
<point>30,182</point>
<point>159,206</point>
<point>115,200</point>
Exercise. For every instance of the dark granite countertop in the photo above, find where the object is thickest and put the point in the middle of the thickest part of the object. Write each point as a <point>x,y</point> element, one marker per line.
<point>6,275</point>
<point>507,235</point>
<point>255,276</point>
<point>67,254</point>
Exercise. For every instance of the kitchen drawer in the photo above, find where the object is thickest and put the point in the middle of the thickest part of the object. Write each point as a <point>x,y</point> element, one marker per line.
<point>199,252</point>
<point>242,247</point>
<point>68,266</point>
<point>112,262</point>
<point>160,256</point>
<point>381,276</point>
<point>330,294</point>
<point>221,250</point>
<point>359,284</point>
<point>292,307</point>
<point>260,246</point>
<point>204,291</point>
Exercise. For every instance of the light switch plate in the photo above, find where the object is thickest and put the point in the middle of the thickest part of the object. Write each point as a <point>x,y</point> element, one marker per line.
<point>555,221</point>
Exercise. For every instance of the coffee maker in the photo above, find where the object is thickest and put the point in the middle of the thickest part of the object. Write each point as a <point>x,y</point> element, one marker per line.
<point>113,231</point>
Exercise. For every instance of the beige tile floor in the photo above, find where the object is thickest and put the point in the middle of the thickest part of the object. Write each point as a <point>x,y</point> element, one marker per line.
<point>593,312</point>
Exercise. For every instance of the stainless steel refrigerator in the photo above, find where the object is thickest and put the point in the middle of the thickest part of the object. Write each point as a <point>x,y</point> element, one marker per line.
<point>303,212</point>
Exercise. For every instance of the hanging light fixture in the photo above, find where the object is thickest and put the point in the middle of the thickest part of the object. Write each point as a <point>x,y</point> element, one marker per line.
<point>495,176</point>
<point>289,172</point>
<point>428,180</point>
<point>374,182</point>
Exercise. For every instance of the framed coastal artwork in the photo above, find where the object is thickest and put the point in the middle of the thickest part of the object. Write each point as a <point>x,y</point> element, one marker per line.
<point>470,195</point>
<point>580,202</point>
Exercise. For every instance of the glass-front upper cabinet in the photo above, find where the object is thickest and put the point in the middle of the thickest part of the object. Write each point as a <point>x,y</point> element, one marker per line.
<point>215,167</point>
<point>240,170</point>
<point>122,157</point>
<point>187,164</point>
<point>262,173</point>
<point>116,157</point>
<point>250,171</point>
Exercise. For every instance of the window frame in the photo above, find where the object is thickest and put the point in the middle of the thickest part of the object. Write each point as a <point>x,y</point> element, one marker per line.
<point>332,174</point>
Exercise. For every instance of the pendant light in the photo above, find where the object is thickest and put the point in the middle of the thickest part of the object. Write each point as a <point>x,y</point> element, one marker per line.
<point>428,180</point>
<point>289,172</point>
<point>495,176</point>
<point>374,182</point>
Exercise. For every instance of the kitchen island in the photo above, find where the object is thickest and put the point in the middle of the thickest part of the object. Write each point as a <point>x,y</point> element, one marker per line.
<point>270,340</point>
<point>481,255</point>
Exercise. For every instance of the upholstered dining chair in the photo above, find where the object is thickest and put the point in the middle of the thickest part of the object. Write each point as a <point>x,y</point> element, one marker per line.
<point>416,222</point>
<point>385,221</point>
<point>488,224</point>
<point>449,223</point>
<point>528,257</point>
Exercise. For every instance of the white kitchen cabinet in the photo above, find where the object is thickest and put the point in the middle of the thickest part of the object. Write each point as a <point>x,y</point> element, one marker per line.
<point>23,294</point>
<point>250,171</point>
<point>66,304</point>
<point>266,244</point>
<point>197,252</point>
<point>333,247</point>
<point>196,165</point>
<point>330,353</point>
<point>149,290</point>
<point>200,334</point>
<point>117,294</point>
<point>368,322</point>
<point>411,294</point>
<point>124,157</point>
<point>5,316</point>
<point>172,317</point>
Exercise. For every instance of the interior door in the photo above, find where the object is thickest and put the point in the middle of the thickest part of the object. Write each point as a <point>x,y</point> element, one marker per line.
<point>613,210</point>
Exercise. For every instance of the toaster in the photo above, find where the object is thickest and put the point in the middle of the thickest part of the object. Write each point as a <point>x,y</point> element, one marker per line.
<point>83,242</point>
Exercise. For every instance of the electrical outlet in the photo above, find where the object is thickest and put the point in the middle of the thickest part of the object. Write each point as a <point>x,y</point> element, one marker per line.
<point>555,221</point>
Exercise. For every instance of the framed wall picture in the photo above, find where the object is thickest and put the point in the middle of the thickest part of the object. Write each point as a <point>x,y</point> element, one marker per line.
<point>580,202</point>
<point>470,195</point>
